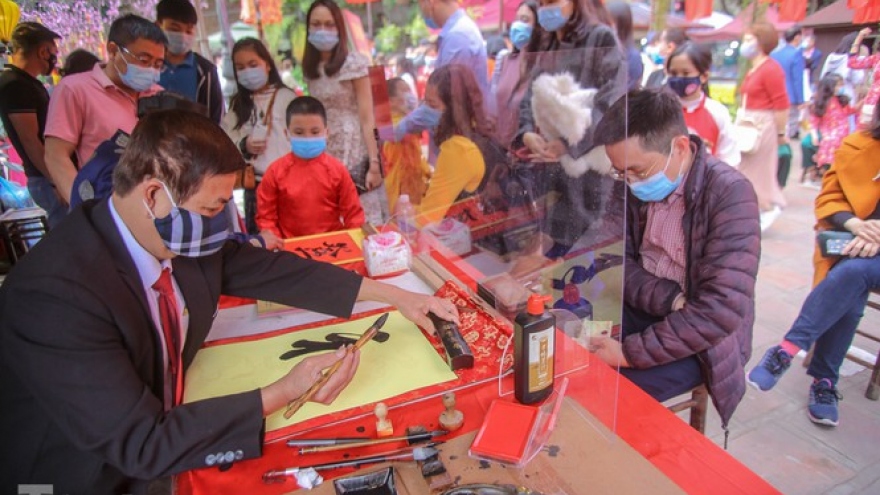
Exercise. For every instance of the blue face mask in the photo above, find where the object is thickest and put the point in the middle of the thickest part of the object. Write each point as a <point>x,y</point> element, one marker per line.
<point>253,78</point>
<point>308,148</point>
<point>551,17</point>
<point>190,234</point>
<point>520,34</point>
<point>324,41</point>
<point>428,116</point>
<point>136,77</point>
<point>410,101</point>
<point>429,22</point>
<point>656,187</point>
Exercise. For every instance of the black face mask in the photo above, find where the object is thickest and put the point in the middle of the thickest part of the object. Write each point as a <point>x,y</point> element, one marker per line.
<point>52,60</point>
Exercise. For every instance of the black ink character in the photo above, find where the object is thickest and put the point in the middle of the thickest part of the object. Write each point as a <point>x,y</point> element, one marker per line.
<point>333,341</point>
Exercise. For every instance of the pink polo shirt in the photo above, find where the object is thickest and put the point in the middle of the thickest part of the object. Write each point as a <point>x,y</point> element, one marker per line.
<point>86,109</point>
<point>663,249</point>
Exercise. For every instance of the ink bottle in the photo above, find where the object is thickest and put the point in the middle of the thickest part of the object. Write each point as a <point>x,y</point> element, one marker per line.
<point>534,351</point>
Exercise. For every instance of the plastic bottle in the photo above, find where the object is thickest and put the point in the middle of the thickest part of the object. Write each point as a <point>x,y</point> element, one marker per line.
<point>405,214</point>
<point>534,351</point>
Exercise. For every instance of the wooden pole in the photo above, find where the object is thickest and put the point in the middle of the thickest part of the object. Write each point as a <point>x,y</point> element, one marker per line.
<point>259,17</point>
<point>501,17</point>
<point>659,11</point>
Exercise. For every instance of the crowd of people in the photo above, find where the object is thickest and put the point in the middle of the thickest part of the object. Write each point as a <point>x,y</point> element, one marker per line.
<point>569,97</point>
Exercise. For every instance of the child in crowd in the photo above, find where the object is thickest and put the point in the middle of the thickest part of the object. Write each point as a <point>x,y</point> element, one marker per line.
<point>687,70</point>
<point>255,121</point>
<point>406,171</point>
<point>307,191</point>
<point>829,119</point>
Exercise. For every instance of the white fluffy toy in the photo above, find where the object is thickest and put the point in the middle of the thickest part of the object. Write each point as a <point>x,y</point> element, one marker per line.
<point>563,110</point>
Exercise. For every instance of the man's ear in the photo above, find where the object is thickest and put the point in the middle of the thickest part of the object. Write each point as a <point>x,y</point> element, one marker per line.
<point>683,143</point>
<point>154,194</point>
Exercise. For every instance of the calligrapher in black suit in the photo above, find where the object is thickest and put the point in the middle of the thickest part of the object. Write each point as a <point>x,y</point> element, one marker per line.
<point>82,373</point>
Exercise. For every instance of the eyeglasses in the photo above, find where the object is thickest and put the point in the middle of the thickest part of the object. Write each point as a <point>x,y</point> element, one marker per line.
<point>146,60</point>
<point>632,176</point>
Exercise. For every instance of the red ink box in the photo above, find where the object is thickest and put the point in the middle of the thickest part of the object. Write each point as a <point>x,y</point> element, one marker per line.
<point>505,433</point>
<point>513,433</point>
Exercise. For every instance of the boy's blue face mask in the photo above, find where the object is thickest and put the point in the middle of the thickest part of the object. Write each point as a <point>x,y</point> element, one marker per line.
<point>308,147</point>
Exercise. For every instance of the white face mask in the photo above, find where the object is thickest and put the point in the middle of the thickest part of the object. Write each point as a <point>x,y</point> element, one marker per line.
<point>253,78</point>
<point>179,43</point>
<point>749,50</point>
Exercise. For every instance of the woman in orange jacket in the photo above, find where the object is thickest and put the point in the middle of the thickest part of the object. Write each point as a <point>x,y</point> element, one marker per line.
<point>849,201</point>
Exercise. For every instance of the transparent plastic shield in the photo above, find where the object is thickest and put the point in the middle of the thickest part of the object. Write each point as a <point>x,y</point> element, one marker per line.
<point>519,203</point>
<point>509,197</point>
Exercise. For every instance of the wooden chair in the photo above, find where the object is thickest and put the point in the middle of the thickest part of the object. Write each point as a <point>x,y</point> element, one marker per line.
<point>21,229</point>
<point>873,390</point>
<point>698,403</point>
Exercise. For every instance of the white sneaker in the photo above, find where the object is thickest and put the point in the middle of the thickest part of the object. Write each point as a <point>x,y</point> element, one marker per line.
<point>770,216</point>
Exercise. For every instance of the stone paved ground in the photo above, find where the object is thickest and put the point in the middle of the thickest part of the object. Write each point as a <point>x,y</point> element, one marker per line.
<point>770,431</point>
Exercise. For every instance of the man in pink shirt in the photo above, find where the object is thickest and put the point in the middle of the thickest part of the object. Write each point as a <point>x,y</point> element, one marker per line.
<point>87,109</point>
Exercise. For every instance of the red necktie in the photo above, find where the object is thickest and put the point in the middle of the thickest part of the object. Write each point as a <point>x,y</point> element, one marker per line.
<point>171,330</point>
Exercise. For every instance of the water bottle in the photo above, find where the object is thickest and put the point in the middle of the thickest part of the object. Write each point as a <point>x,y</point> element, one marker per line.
<point>405,214</point>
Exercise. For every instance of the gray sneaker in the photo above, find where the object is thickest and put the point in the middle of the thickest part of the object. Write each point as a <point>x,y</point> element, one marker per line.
<point>822,408</point>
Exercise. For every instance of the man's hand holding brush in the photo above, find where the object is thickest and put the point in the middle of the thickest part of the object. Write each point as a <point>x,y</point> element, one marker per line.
<point>295,383</point>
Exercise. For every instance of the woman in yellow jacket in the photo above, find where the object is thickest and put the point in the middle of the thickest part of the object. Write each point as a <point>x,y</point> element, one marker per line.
<point>849,201</point>
<point>461,128</point>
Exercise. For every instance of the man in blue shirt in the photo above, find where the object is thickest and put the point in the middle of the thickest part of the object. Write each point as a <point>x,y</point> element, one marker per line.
<point>459,42</point>
<point>791,58</point>
<point>186,72</point>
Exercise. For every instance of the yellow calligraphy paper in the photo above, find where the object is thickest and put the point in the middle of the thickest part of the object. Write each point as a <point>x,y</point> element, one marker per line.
<point>405,362</point>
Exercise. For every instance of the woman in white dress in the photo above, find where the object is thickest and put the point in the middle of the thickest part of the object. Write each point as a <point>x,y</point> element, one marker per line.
<point>339,78</point>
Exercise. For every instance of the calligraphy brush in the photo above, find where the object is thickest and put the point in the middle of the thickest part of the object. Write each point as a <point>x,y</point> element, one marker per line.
<point>414,454</point>
<point>416,437</point>
<point>320,442</point>
<point>294,405</point>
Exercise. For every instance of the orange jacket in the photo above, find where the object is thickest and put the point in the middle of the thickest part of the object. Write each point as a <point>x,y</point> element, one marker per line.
<point>848,186</point>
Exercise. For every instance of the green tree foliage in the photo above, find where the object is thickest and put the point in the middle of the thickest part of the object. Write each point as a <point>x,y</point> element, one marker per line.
<point>389,38</point>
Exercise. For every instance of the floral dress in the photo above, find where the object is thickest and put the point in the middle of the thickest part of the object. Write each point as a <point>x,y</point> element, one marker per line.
<point>832,128</point>
<point>345,138</point>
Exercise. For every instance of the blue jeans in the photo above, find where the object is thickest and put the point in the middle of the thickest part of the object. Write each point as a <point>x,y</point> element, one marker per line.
<point>832,312</point>
<point>44,195</point>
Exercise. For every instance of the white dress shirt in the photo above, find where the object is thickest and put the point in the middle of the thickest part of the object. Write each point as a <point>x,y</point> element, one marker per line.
<point>149,269</point>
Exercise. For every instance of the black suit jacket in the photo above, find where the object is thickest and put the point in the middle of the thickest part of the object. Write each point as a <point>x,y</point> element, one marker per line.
<point>81,373</point>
